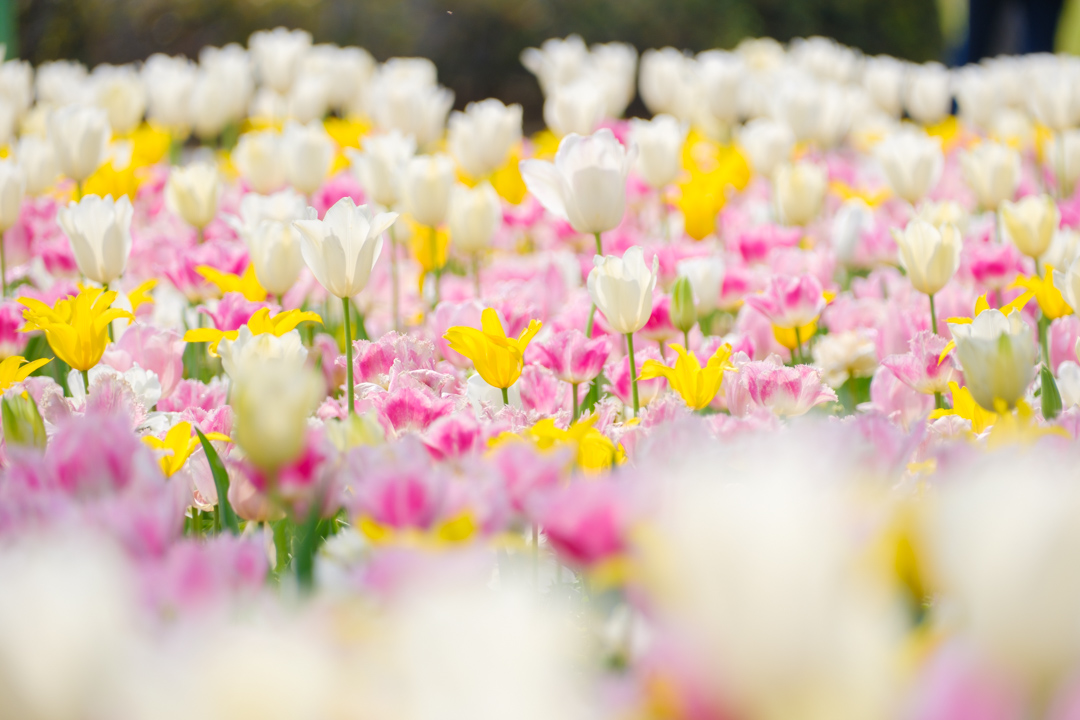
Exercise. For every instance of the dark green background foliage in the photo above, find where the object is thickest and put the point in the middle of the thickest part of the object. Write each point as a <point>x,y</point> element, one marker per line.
<point>475,43</point>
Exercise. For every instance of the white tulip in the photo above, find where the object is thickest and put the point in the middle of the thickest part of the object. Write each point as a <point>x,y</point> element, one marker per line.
<point>341,249</point>
<point>482,137</point>
<point>853,219</point>
<point>1052,97</point>
<point>721,75</point>
<point>614,67</point>
<point>1068,382</point>
<point>622,289</point>
<point>211,103</point>
<point>192,193</point>
<point>402,99</point>
<point>284,206</point>
<point>473,217</point>
<point>586,185</point>
<point>929,255</point>
<point>1063,157</point>
<point>577,107</point>
<point>169,82</point>
<point>425,188</point>
<point>928,92</point>
<point>883,80</point>
<point>80,139</point>
<point>660,143</point>
<point>274,249</point>
<point>997,355</point>
<point>308,153</point>
<point>1030,223</point>
<point>992,171</point>
<point>945,212</point>
<point>767,144</point>
<point>348,72</point>
<point>308,99</point>
<point>668,82</point>
<point>557,62</point>
<point>706,276</point>
<point>799,190</point>
<point>258,158</point>
<point>120,91</point>
<point>12,190</point>
<point>1068,284</point>
<point>231,67</point>
<point>38,161</point>
<point>1064,248</point>
<point>845,355</point>
<point>62,82</point>
<point>237,355</point>
<point>978,96</point>
<point>380,166</point>
<point>99,230</point>
<point>278,54</point>
<point>912,162</point>
<point>17,85</point>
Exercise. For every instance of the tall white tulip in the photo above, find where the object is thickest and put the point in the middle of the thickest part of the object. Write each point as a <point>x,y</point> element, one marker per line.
<point>308,152</point>
<point>1063,156</point>
<point>586,185</point>
<point>614,67</point>
<point>482,137</point>
<point>12,190</point>
<point>17,85</point>
<point>192,193</point>
<point>404,97</point>
<point>211,103</point>
<point>577,107</point>
<point>425,188</point>
<point>660,143</point>
<point>557,61</point>
<point>278,54</point>
<point>38,161</point>
<point>379,167</point>
<point>258,158</point>
<point>883,80</point>
<point>622,289</point>
<point>706,277</point>
<point>912,162</point>
<point>231,68</point>
<point>1031,223</point>
<point>99,230</point>
<point>767,144</point>
<point>992,171</point>
<point>80,139</point>
<point>120,91</point>
<point>473,216</point>
<point>169,82</point>
<point>265,224</point>
<point>929,255</point>
<point>928,92</point>
<point>341,250</point>
<point>800,192</point>
<point>997,354</point>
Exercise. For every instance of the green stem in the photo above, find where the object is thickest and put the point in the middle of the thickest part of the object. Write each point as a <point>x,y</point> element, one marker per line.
<point>633,371</point>
<point>599,245</point>
<point>686,339</point>
<point>78,190</point>
<point>109,326</point>
<point>86,381</point>
<point>349,395</point>
<point>1044,340</point>
<point>933,315</point>
<point>476,275</point>
<point>506,395</point>
<point>196,522</point>
<point>592,318</point>
<point>798,347</point>
<point>939,401</point>
<point>573,393</point>
<point>200,235</point>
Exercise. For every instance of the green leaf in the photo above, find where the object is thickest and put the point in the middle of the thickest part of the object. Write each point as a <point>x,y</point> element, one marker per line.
<point>221,482</point>
<point>1051,398</point>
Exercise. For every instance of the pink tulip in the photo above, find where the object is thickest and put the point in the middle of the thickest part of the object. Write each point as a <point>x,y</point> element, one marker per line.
<point>786,391</point>
<point>920,369</point>
<point>790,302</point>
<point>573,357</point>
<point>586,522</point>
<point>160,351</point>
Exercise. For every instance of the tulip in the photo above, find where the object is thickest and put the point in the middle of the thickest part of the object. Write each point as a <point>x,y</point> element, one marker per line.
<point>122,94</point>
<point>406,99</point>
<point>497,358</point>
<point>80,138</point>
<point>226,71</point>
<point>992,171</point>
<point>248,346</point>
<point>192,193</point>
<point>308,152</point>
<point>586,185</point>
<point>1068,284</point>
<point>169,82</point>
<point>1063,156</point>
<point>258,158</point>
<point>38,160</point>
<point>800,192</point>
<point>622,289</point>
<point>614,69</point>
<point>260,323</point>
<point>659,142</point>
<point>923,368</point>
<point>929,256</point>
<point>577,107</point>
<point>912,162</point>
<point>341,250</point>
<point>997,355</point>
<point>574,358</point>
<point>482,138</point>
<point>706,277</point>
<point>277,55</point>
<point>883,80</point>
<point>12,189</point>
<point>946,212</point>
<point>557,61</point>
<point>668,82</point>
<point>425,188</point>
<point>271,400</point>
<point>787,391</point>
<point>697,386</point>
<point>473,217</point>
<point>1031,223</point>
<point>767,144</point>
<point>178,445</point>
<point>928,97</point>
<point>274,248</point>
<point>380,166</point>
<point>212,103</point>
<point>99,230</point>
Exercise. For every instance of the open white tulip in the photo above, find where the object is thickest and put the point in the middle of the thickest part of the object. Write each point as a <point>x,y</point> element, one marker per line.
<point>929,255</point>
<point>659,142</point>
<point>169,82</point>
<point>425,188</point>
<point>928,92</point>
<point>380,166</point>
<point>883,80</point>
<point>1031,223</point>
<point>414,108</point>
<point>192,193</point>
<point>800,192</point>
<point>622,289</point>
<point>80,139</point>
<point>473,217</point>
<point>997,354</point>
<point>122,94</point>
<point>482,137</point>
<point>308,152</point>
<point>341,249</point>
<point>100,233</point>
<point>992,171</point>
<point>258,158</point>
<point>912,162</point>
<point>577,107</point>
<point>278,54</point>
<point>586,185</point>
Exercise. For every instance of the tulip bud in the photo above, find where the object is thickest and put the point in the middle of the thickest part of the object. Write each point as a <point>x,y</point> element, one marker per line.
<point>192,193</point>
<point>425,188</point>
<point>800,192</point>
<point>308,152</point>
<point>683,314</point>
<point>278,54</point>
<point>706,278</point>
<point>80,138</point>
<point>997,355</point>
<point>120,91</point>
<point>169,82</point>
<point>12,189</point>
<point>929,256</point>
<point>38,161</point>
<point>23,425</point>
<point>381,164</point>
<point>474,216</point>
<point>992,171</point>
<point>928,96</point>
<point>660,143</point>
<point>622,289</point>
<point>912,162</point>
<point>482,137</point>
<point>1030,223</point>
<point>100,233</point>
<point>258,158</point>
<point>272,400</point>
<point>766,143</point>
<point>274,247</point>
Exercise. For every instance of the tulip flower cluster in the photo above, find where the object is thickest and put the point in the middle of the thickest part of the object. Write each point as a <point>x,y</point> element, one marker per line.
<point>320,399</point>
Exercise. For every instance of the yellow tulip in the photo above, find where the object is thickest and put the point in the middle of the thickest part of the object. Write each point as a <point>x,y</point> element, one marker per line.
<point>788,338</point>
<point>260,324</point>
<point>246,284</point>
<point>141,295</point>
<point>77,328</point>
<point>593,451</point>
<point>497,358</point>
<point>981,304</point>
<point>15,369</point>
<point>432,256</point>
<point>964,405</point>
<point>696,385</point>
<point>107,180</point>
<point>178,445</point>
<point>1050,301</point>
